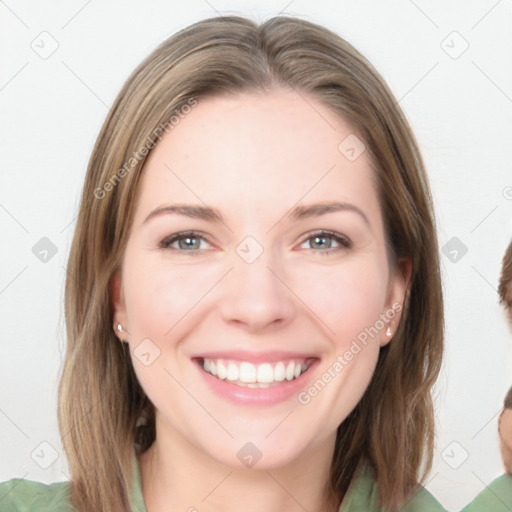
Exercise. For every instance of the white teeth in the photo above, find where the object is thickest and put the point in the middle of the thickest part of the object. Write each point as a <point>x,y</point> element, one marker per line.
<point>255,376</point>
<point>289,370</point>
<point>279,372</point>
<point>255,385</point>
<point>232,372</point>
<point>265,373</point>
<point>222,371</point>
<point>247,372</point>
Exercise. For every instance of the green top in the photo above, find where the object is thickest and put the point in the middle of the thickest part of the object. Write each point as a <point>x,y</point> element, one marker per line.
<point>496,497</point>
<point>20,495</point>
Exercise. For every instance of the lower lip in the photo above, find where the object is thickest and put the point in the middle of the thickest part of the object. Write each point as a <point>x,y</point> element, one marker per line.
<point>257,396</point>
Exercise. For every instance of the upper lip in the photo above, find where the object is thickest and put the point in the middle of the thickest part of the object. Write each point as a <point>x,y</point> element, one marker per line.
<point>254,357</point>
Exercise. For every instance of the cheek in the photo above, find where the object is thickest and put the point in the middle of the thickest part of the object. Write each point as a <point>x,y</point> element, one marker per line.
<point>160,302</point>
<point>159,295</point>
<point>347,298</point>
<point>506,428</point>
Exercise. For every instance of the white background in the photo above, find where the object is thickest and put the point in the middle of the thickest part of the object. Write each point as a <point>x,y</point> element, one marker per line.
<point>461,112</point>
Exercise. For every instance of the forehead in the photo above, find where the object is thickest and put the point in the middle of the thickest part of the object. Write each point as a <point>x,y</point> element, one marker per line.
<point>258,153</point>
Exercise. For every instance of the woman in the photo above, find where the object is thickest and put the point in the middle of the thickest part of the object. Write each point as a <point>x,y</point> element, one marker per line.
<point>251,362</point>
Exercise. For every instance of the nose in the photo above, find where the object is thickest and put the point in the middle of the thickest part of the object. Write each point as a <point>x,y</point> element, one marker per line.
<point>256,295</point>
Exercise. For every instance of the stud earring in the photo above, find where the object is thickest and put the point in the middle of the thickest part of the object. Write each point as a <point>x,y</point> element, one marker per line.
<point>388,331</point>
<point>119,327</point>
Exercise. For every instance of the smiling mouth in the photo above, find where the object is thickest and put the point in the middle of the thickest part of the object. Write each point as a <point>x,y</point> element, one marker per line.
<point>246,374</point>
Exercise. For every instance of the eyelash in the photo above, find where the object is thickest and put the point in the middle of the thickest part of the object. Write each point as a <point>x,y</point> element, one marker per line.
<point>344,242</point>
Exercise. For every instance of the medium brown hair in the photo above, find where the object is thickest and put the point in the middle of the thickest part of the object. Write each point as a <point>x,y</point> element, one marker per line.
<point>505,285</point>
<point>100,400</point>
<point>507,402</point>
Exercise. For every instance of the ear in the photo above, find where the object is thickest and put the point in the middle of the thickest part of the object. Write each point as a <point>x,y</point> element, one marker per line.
<point>118,304</point>
<point>397,289</point>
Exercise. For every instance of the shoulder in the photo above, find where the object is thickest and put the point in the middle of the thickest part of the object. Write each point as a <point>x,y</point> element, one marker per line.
<point>497,496</point>
<point>363,495</point>
<point>20,495</point>
<point>422,501</point>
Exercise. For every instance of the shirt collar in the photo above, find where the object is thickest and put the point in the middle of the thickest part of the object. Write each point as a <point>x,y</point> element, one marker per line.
<point>137,497</point>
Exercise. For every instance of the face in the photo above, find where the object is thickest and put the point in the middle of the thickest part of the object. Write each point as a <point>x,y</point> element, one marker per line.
<point>505,431</point>
<point>289,308</point>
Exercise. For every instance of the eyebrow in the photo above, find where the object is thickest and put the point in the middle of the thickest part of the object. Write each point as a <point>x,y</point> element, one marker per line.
<point>213,215</point>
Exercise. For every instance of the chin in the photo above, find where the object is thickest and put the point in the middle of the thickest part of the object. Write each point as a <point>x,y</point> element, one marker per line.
<point>257,454</point>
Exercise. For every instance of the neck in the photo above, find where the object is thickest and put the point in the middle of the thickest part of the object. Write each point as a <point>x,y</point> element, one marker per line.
<point>177,476</point>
